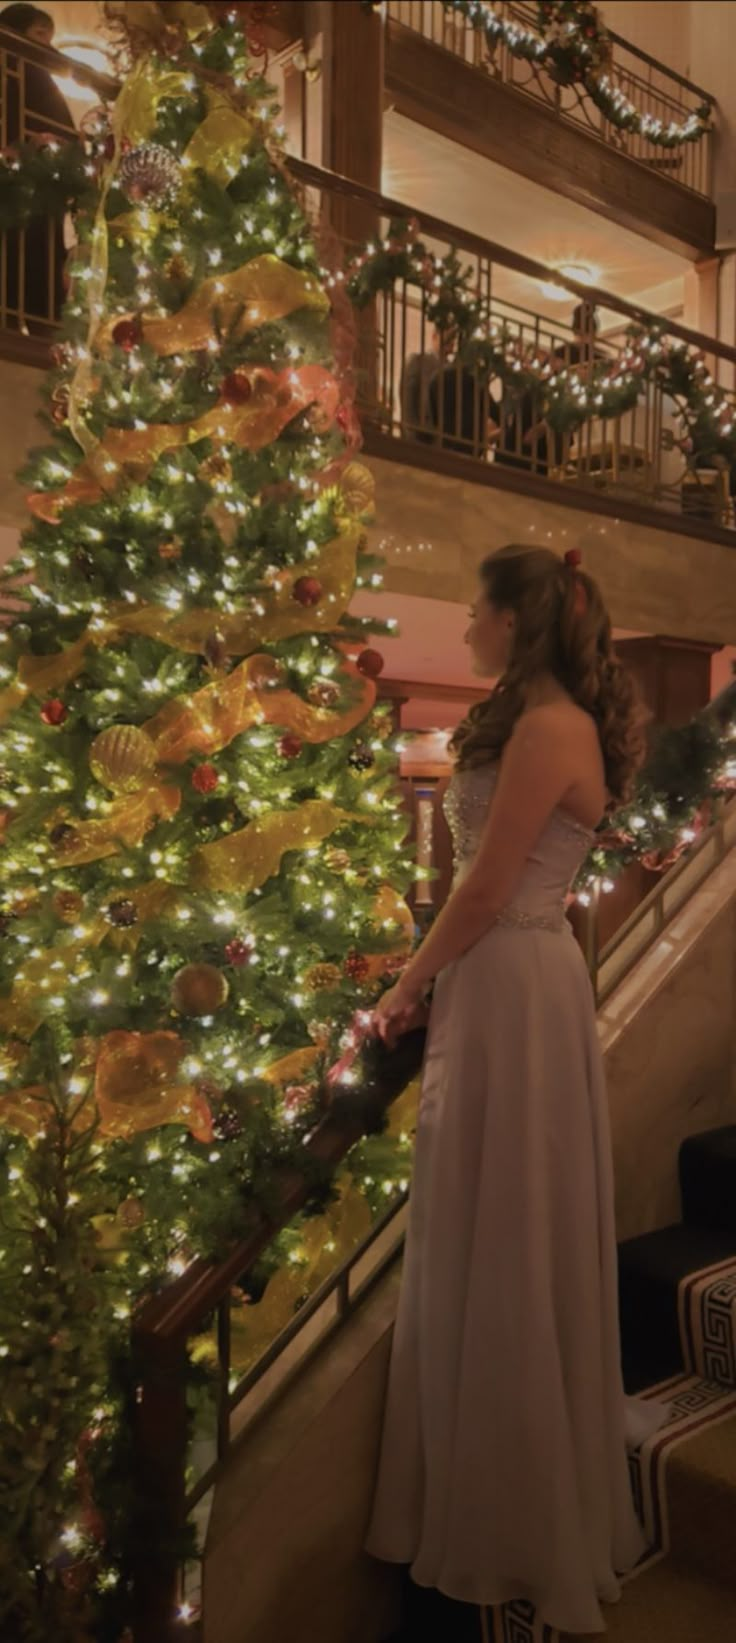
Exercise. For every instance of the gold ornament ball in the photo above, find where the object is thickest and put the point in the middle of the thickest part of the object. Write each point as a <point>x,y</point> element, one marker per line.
<point>381,726</point>
<point>131,1213</point>
<point>323,978</point>
<point>358,488</point>
<point>122,757</point>
<point>199,989</point>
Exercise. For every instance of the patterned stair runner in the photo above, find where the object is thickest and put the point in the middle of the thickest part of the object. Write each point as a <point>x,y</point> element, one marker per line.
<point>699,1400</point>
<point>706,1305</point>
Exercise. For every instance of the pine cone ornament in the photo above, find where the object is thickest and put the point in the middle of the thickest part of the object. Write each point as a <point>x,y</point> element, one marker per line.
<point>323,978</point>
<point>360,757</point>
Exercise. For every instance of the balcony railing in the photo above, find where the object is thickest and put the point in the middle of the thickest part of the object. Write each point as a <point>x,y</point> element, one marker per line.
<point>658,453</point>
<point>32,110</point>
<point>653,89</point>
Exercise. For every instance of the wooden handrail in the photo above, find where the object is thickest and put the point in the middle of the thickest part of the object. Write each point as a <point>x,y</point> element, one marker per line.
<point>314,176</point>
<point>179,1308</point>
<point>57,62</point>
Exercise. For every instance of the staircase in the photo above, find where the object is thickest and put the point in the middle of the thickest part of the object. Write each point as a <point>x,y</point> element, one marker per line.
<point>678,1325</point>
<point>283,1550</point>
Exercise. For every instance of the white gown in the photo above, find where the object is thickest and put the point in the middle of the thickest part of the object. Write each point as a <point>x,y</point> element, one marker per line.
<point>503,1472</point>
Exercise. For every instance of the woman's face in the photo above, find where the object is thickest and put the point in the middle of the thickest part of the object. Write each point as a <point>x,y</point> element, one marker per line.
<point>489,637</point>
<point>42,33</point>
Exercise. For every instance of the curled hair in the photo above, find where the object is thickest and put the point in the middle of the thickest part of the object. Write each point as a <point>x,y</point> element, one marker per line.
<point>562,627</point>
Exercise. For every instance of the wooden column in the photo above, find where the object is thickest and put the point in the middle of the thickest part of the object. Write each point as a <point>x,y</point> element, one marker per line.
<point>353,127</point>
<point>352,146</point>
<point>673,675</point>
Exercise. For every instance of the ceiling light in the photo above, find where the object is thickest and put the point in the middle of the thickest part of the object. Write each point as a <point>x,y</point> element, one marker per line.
<point>88,53</point>
<point>582,272</point>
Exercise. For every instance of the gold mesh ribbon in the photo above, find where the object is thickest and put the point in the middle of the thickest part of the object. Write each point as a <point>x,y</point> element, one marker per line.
<point>214,716</point>
<point>277,399</point>
<point>127,821</point>
<point>391,906</point>
<point>261,290</point>
<point>137,1086</point>
<point>25,1112</point>
<point>218,143</point>
<point>246,859</point>
<point>242,632</point>
<point>292,1067</point>
<point>42,974</point>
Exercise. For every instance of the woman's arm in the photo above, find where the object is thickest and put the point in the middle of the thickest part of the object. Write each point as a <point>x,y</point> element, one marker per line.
<point>537,770</point>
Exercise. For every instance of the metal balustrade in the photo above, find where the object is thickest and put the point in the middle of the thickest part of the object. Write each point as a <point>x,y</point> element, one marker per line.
<point>649,85</point>
<point>415,387</point>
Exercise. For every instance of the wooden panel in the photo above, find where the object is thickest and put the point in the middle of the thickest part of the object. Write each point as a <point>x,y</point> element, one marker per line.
<point>429,85</point>
<point>673,675</point>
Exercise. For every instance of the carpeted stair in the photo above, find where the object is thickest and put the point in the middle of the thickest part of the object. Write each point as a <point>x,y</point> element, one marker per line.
<point>678,1328</point>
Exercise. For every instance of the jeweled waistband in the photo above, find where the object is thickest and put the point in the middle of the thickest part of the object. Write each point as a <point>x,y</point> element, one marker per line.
<point>516,918</point>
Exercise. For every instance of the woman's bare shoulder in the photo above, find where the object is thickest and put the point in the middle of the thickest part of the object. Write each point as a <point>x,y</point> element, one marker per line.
<point>560,717</point>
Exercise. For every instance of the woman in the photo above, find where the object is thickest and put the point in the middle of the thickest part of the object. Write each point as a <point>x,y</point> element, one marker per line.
<point>35,108</point>
<point>503,1471</point>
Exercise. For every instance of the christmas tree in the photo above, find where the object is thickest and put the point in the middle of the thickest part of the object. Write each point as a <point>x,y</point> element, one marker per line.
<point>202,841</point>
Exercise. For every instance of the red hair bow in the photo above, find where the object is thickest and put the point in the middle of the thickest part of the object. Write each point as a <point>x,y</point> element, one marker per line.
<point>573,559</point>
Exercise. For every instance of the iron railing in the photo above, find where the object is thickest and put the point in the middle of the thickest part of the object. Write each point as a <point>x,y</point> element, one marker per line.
<point>32,282</point>
<point>649,85</point>
<point>411,386</point>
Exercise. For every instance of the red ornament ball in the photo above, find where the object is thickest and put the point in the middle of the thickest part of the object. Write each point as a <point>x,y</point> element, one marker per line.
<point>54,712</point>
<point>295,1098</point>
<point>127,333</point>
<point>290,746</point>
<point>238,952</point>
<point>205,778</point>
<point>370,663</point>
<point>307,590</point>
<point>356,966</point>
<point>236,388</point>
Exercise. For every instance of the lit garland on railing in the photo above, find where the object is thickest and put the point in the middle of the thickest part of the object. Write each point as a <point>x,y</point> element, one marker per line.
<point>691,769</point>
<point>570,395</point>
<point>574,48</point>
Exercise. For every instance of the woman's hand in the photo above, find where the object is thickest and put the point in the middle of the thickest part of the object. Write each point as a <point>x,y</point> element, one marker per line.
<point>399,1011</point>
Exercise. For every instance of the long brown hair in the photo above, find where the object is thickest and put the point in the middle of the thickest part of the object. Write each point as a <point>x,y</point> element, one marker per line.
<point>562,627</point>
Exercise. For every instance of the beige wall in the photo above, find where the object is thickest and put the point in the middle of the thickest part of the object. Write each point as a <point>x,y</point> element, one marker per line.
<point>284,1560</point>
<point>20,389</point>
<point>654,581</point>
<point>668,1036</point>
<point>661,27</point>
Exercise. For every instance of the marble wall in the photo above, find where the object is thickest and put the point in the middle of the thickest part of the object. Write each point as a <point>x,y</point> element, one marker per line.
<point>20,402</point>
<point>284,1556</point>
<point>435,530</point>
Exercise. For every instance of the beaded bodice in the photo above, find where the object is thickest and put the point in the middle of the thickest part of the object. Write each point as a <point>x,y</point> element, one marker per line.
<point>541,896</point>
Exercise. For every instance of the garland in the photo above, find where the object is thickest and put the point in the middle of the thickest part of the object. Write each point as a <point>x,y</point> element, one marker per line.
<point>570,395</point>
<point>572,45</point>
<point>691,770</point>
